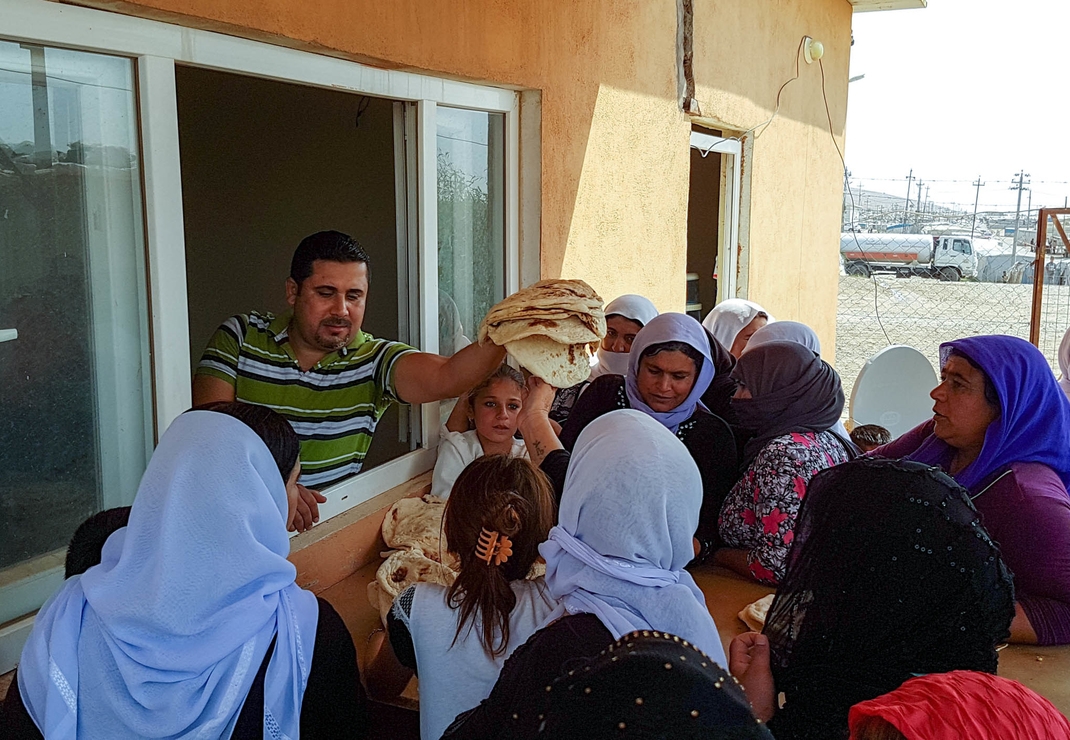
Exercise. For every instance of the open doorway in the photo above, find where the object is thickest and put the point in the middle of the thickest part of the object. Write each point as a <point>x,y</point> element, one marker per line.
<point>266,163</point>
<point>703,231</point>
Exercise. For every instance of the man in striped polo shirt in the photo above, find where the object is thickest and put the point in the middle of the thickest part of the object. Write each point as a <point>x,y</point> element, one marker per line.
<point>316,367</point>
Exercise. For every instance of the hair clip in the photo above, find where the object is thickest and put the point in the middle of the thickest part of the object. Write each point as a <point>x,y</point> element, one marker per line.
<point>492,546</point>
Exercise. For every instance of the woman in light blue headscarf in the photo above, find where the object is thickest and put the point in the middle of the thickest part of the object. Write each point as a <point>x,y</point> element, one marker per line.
<point>616,563</point>
<point>193,608</point>
<point>630,506</point>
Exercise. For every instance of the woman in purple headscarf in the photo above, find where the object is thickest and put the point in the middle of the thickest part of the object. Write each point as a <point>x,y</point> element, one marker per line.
<point>1001,428</point>
<point>670,367</point>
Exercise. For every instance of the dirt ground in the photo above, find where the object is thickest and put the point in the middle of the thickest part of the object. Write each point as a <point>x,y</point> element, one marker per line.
<point>921,312</point>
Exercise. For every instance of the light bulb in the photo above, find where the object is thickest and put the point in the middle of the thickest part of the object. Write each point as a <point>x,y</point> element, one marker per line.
<point>813,50</point>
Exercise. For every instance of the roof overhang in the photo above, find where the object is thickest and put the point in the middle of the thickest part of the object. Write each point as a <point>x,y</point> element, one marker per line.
<point>865,6</point>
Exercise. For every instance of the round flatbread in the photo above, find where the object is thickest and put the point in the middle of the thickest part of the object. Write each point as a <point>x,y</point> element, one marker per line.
<point>406,567</point>
<point>414,523</point>
<point>552,301</point>
<point>560,365</point>
<point>549,328</point>
<point>564,329</point>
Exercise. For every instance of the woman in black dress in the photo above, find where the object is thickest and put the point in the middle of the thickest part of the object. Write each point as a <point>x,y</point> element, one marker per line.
<point>891,575</point>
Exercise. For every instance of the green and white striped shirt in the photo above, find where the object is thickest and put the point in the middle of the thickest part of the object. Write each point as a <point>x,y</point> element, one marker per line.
<point>333,407</point>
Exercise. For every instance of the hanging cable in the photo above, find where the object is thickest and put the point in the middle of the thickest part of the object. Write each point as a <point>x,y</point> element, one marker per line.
<point>854,235</point>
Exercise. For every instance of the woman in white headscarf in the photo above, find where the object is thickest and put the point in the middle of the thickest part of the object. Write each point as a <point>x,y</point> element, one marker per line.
<point>1064,363</point>
<point>733,322</point>
<point>625,317</point>
<point>192,624</point>
<point>615,561</point>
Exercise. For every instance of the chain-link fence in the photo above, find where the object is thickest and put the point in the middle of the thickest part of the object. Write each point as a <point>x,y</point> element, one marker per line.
<point>920,291</point>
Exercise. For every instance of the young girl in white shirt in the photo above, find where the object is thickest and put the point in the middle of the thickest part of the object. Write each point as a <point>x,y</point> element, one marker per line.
<point>457,638</point>
<point>491,408</point>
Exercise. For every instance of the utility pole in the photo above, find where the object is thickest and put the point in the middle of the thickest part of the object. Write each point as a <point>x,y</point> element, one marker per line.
<point>1018,185</point>
<point>976,200</point>
<point>1029,210</point>
<point>919,183</point>
<point>928,200</point>
<point>906,204</point>
<point>846,191</point>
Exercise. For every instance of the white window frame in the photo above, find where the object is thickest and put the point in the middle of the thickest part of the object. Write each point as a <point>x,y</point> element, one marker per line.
<point>156,48</point>
<point>731,178</point>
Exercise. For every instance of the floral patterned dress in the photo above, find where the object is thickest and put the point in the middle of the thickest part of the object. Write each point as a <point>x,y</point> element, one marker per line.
<point>760,511</point>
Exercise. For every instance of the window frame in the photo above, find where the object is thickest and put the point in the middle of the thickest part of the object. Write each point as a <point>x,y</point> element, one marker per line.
<point>156,47</point>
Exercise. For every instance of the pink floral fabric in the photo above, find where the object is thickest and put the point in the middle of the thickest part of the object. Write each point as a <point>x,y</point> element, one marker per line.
<point>760,511</point>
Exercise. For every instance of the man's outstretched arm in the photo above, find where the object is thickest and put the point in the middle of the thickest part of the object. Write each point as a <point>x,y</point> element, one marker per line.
<point>422,378</point>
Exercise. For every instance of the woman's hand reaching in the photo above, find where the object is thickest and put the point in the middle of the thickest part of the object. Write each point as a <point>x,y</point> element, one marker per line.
<point>534,420</point>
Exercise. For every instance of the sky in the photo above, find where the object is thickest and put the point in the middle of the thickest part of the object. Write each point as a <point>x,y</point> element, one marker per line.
<point>961,89</point>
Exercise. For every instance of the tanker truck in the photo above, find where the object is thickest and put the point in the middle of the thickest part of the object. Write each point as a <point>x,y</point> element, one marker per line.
<point>950,257</point>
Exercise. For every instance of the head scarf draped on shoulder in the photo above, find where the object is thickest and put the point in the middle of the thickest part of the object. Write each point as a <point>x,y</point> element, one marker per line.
<point>1064,363</point>
<point>163,639</point>
<point>792,390</point>
<point>986,707</point>
<point>670,327</point>
<point>629,510</point>
<point>891,575</point>
<point>634,308</point>
<point>1034,414</point>
<point>728,318</point>
<point>785,331</point>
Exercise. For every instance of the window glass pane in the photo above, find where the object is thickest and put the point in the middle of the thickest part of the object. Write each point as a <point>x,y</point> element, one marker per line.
<point>75,385</point>
<point>471,221</point>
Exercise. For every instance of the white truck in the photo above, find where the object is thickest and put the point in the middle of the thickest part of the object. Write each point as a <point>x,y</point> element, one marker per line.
<point>951,257</point>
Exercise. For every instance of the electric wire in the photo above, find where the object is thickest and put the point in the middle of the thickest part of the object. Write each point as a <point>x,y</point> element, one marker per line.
<point>854,235</point>
<point>776,109</point>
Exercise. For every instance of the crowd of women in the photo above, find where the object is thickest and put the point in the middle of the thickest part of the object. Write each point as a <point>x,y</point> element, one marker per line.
<point>899,570</point>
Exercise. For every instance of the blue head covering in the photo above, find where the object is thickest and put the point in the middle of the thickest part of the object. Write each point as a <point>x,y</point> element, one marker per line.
<point>628,513</point>
<point>164,638</point>
<point>670,327</point>
<point>1034,420</point>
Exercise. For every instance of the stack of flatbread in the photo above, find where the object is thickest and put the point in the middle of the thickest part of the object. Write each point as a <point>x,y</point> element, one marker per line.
<point>413,530</point>
<point>550,328</point>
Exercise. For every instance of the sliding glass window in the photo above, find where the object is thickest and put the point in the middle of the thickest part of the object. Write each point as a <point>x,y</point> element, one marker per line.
<point>75,380</point>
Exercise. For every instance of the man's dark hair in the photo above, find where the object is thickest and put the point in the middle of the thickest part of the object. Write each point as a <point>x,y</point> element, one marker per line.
<point>333,246</point>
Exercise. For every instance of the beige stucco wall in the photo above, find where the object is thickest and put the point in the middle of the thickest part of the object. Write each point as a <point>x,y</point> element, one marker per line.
<point>614,142</point>
<point>792,173</point>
